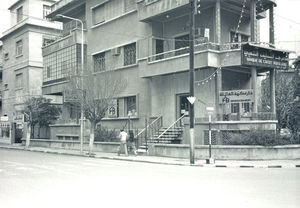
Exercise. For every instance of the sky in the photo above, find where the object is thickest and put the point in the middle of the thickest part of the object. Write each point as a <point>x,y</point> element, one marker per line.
<point>287,23</point>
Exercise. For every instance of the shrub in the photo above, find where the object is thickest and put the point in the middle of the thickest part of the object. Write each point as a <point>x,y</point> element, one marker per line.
<point>103,134</point>
<point>258,137</point>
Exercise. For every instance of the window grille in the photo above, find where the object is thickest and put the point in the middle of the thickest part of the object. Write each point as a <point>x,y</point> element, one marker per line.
<point>130,54</point>
<point>99,62</point>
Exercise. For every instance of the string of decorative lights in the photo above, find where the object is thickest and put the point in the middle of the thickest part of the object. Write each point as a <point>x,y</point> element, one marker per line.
<point>206,80</point>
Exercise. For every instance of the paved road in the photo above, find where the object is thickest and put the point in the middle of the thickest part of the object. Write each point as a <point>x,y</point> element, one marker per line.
<point>32,179</point>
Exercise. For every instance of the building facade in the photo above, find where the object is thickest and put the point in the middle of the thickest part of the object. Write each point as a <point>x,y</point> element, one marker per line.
<point>22,55</point>
<point>147,43</point>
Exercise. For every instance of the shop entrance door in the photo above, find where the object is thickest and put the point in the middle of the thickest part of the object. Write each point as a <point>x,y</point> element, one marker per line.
<point>183,105</point>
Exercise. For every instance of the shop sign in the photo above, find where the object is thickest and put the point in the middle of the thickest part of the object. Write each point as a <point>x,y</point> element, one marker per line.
<point>234,96</point>
<point>264,57</point>
<point>18,118</point>
<point>4,118</point>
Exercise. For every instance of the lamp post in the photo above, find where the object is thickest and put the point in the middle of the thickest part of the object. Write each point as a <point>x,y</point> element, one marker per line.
<point>82,63</point>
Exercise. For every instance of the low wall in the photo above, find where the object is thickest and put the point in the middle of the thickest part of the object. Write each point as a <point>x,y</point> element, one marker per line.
<point>73,145</point>
<point>223,152</point>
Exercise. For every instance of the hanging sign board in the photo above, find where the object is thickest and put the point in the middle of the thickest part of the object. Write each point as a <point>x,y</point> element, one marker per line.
<point>253,55</point>
<point>235,96</point>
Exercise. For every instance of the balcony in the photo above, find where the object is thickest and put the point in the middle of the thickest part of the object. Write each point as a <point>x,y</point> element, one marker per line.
<point>151,8</point>
<point>70,35</point>
<point>207,54</point>
<point>64,7</point>
<point>158,9</point>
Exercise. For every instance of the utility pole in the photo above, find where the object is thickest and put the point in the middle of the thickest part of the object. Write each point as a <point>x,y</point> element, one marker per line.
<point>192,72</point>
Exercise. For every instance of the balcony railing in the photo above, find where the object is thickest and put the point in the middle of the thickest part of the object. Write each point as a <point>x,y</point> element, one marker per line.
<point>198,48</point>
<point>71,26</point>
<point>260,116</point>
<point>202,46</point>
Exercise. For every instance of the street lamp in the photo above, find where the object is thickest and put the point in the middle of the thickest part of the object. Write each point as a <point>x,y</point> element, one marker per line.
<point>82,63</point>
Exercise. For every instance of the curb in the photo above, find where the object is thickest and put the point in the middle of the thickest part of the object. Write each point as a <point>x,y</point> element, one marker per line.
<point>153,162</point>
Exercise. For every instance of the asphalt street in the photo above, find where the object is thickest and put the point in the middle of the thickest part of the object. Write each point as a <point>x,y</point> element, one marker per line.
<point>33,179</point>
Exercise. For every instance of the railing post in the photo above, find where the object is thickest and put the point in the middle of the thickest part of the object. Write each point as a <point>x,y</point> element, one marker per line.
<point>146,124</point>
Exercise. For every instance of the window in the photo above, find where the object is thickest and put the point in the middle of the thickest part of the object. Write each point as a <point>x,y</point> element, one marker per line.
<point>122,106</point>
<point>99,62</point>
<point>48,71</point>
<point>58,63</point>
<point>47,41</point>
<point>19,48</point>
<point>19,80</point>
<point>46,11</point>
<point>246,107</point>
<point>234,38</point>
<point>235,108</point>
<point>244,38</point>
<point>130,54</point>
<point>6,56</point>
<point>20,14</point>
<point>182,42</point>
<point>5,86</point>
<point>64,68</point>
<point>130,104</point>
<point>98,14</point>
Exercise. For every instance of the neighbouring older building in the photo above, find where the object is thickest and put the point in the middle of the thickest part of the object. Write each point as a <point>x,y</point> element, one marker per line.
<point>22,63</point>
<point>147,43</point>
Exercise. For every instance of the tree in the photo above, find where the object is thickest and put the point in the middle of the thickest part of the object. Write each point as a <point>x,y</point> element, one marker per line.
<point>39,110</point>
<point>283,96</point>
<point>96,95</point>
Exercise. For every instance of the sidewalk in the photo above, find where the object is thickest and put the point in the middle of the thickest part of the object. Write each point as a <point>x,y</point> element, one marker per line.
<point>166,160</point>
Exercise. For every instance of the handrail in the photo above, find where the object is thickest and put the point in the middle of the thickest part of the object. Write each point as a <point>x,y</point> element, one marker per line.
<point>181,117</point>
<point>148,126</point>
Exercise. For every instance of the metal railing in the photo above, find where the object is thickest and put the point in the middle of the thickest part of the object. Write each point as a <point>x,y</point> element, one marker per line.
<point>172,132</point>
<point>70,26</point>
<point>149,131</point>
<point>202,46</point>
<point>260,116</point>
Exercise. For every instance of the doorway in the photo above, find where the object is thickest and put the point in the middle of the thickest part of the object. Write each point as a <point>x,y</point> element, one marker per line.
<point>182,105</point>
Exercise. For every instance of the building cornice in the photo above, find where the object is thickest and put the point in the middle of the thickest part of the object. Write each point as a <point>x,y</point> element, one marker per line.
<point>32,21</point>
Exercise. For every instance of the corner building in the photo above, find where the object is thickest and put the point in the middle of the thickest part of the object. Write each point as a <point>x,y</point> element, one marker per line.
<point>22,61</point>
<point>147,43</point>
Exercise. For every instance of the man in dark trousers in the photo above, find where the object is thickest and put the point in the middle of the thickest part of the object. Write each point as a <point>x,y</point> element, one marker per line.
<point>131,142</point>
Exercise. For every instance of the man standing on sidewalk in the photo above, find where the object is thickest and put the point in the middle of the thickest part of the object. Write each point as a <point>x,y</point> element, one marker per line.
<point>123,145</point>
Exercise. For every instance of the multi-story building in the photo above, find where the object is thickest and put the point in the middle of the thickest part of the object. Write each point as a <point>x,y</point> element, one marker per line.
<point>147,43</point>
<point>22,54</point>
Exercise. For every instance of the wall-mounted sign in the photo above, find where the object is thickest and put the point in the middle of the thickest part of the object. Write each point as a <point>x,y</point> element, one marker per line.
<point>18,118</point>
<point>253,55</point>
<point>4,118</point>
<point>72,96</point>
<point>54,99</point>
<point>112,109</point>
<point>235,96</point>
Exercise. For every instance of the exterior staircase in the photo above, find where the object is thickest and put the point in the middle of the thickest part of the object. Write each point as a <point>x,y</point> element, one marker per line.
<point>167,136</point>
<point>162,135</point>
